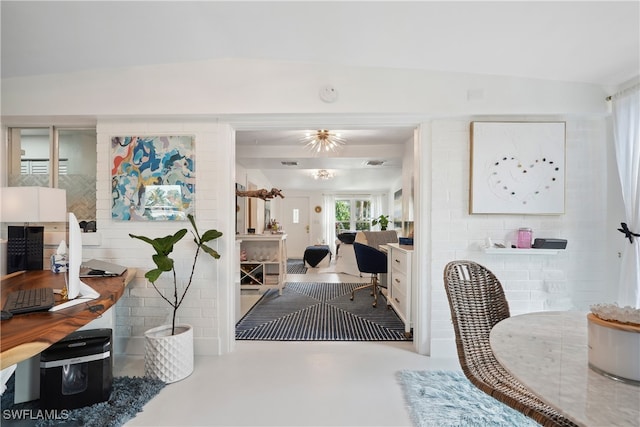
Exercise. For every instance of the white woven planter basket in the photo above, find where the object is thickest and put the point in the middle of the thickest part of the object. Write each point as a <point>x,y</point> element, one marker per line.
<point>167,357</point>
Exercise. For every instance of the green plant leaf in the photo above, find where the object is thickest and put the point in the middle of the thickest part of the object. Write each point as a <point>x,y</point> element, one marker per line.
<point>143,238</point>
<point>163,262</point>
<point>210,251</point>
<point>153,275</point>
<point>210,235</point>
<point>164,245</point>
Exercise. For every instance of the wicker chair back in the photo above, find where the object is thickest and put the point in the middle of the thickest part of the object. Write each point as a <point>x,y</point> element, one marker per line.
<point>477,303</point>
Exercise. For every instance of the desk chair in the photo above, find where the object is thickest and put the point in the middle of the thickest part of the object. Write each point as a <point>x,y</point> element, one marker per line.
<point>373,261</point>
<point>477,303</point>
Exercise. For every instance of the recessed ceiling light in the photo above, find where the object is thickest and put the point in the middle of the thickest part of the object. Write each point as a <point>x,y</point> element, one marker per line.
<point>375,162</point>
<point>289,163</point>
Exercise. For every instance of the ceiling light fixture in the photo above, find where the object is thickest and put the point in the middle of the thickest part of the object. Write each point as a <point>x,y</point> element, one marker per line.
<point>322,174</point>
<point>323,141</point>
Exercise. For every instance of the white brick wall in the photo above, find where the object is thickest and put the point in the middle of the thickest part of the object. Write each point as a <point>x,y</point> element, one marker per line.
<point>141,308</point>
<point>571,280</point>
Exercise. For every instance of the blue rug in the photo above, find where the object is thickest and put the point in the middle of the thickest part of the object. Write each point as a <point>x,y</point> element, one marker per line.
<point>448,399</point>
<point>296,266</point>
<point>128,396</point>
<point>320,312</point>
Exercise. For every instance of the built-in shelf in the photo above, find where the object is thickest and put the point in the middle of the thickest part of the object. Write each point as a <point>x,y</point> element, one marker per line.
<point>514,251</point>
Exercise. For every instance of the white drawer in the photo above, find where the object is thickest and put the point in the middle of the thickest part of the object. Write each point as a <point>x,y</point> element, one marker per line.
<point>398,281</point>
<point>399,260</point>
<point>399,301</point>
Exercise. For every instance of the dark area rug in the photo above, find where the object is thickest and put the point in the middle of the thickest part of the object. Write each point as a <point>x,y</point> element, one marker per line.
<point>296,266</point>
<point>320,312</point>
<point>128,396</point>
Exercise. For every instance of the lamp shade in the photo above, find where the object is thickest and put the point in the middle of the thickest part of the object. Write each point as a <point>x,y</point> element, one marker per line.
<point>33,204</point>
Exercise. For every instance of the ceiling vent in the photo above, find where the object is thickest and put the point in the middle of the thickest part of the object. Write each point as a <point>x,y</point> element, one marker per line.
<point>289,163</point>
<point>375,162</point>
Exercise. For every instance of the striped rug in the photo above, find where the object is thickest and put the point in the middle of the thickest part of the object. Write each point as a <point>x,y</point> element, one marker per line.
<point>296,266</point>
<point>320,312</point>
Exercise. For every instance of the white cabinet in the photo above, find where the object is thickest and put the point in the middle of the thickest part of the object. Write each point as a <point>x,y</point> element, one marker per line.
<point>265,265</point>
<point>400,282</point>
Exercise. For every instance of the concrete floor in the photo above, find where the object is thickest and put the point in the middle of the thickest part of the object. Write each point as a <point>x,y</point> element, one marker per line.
<point>289,383</point>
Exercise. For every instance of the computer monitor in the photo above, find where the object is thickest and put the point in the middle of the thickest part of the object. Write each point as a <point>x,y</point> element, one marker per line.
<point>77,291</point>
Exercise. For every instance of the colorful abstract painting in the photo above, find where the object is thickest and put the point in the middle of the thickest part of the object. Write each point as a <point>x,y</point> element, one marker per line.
<point>152,178</point>
<point>517,167</point>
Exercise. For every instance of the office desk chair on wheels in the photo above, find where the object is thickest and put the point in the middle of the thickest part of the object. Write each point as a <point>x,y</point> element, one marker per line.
<point>373,261</point>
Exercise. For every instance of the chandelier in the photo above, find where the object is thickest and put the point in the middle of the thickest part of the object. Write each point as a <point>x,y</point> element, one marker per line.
<point>323,141</point>
<point>322,174</point>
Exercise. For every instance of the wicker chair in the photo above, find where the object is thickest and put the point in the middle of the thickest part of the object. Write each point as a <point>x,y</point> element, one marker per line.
<point>477,303</point>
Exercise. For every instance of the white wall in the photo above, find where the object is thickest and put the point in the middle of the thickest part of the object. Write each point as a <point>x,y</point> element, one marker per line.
<point>209,98</point>
<point>207,305</point>
<point>573,279</point>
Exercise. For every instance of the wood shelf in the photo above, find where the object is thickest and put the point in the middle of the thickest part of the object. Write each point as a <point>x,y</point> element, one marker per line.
<point>266,266</point>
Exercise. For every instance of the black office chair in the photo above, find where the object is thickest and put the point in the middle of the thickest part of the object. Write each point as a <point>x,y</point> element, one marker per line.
<point>373,261</point>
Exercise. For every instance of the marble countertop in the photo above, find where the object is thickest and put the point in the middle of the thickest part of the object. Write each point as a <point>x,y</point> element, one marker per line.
<point>548,352</point>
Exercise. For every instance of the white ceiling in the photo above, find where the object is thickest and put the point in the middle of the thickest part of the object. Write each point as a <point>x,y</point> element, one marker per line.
<point>578,41</point>
<point>265,150</point>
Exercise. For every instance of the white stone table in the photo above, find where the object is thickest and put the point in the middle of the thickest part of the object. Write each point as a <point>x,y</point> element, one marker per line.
<point>548,352</point>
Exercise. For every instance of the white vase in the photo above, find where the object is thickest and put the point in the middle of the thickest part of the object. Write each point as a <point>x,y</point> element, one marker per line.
<point>167,357</point>
<point>614,349</point>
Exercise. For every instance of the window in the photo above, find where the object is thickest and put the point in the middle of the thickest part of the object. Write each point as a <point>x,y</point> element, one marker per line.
<point>353,214</point>
<point>56,157</point>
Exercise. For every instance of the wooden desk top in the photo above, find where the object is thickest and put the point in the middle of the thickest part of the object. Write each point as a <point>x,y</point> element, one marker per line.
<point>25,335</point>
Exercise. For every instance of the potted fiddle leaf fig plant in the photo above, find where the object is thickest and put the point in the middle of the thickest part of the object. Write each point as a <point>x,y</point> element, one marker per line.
<point>169,348</point>
<point>383,220</point>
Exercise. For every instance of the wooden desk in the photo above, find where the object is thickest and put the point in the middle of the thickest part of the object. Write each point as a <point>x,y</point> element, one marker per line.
<point>26,335</point>
<point>548,352</point>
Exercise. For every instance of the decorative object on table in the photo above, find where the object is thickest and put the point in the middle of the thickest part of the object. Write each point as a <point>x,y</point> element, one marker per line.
<point>153,178</point>
<point>614,342</point>
<point>318,312</point>
<point>517,168</point>
<point>59,261</point>
<point>262,193</point>
<point>128,397</point>
<point>525,236</point>
<point>383,220</point>
<point>25,243</point>
<point>169,348</point>
<point>447,398</point>
<point>546,243</point>
<point>275,227</point>
<point>323,141</point>
<point>408,241</point>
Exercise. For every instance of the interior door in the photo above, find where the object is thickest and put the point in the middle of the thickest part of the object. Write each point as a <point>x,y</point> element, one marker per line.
<point>295,221</point>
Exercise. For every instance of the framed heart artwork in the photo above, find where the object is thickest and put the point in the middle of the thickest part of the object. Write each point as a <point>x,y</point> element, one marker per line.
<point>517,168</point>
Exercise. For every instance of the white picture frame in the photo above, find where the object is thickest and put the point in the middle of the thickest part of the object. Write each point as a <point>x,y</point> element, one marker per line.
<point>517,168</point>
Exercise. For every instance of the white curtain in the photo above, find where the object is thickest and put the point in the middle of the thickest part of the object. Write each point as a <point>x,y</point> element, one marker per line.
<point>626,130</point>
<point>329,210</point>
<point>376,207</point>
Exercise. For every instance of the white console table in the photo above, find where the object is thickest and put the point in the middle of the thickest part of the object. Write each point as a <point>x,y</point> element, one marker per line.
<point>266,261</point>
<point>400,282</point>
